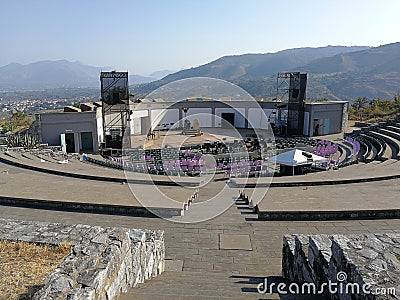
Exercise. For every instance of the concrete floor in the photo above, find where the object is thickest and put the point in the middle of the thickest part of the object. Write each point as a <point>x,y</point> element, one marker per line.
<point>381,195</point>
<point>209,272</point>
<point>197,266</point>
<point>22,183</point>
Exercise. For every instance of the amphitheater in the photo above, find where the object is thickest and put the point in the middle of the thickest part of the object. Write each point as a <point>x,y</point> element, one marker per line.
<point>355,194</point>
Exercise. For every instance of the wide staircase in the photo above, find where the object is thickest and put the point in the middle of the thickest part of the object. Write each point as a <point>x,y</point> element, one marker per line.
<point>192,132</point>
<point>197,266</point>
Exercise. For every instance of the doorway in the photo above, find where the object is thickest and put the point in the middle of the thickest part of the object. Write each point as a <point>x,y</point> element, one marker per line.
<point>316,127</point>
<point>228,120</point>
<point>70,142</point>
<point>87,141</point>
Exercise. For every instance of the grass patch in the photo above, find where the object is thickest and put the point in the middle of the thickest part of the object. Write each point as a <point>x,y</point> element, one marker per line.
<point>24,267</point>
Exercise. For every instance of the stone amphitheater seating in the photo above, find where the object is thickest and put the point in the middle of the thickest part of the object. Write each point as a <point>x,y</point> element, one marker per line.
<point>391,135</point>
<point>393,145</point>
<point>379,141</point>
<point>384,150</point>
<point>364,150</point>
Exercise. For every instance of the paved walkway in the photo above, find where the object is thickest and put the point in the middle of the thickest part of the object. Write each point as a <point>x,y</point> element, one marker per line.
<point>21,183</point>
<point>381,195</point>
<point>196,267</point>
<point>390,167</point>
<point>80,169</point>
<point>373,169</point>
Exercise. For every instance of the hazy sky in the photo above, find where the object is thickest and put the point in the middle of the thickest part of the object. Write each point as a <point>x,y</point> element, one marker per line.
<point>149,35</point>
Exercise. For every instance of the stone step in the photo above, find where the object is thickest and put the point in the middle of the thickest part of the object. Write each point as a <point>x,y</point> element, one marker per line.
<point>191,132</point>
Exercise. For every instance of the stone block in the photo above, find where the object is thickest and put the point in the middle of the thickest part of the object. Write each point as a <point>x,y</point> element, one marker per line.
<point>103,261</point>
<point>288,250</point>
<point>364,258</point>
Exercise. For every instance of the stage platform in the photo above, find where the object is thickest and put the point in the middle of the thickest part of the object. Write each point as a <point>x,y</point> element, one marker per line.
<point>175,138</point>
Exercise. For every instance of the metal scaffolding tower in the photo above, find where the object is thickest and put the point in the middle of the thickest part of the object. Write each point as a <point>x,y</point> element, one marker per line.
<point>291,88</point>
<point>115,109</point>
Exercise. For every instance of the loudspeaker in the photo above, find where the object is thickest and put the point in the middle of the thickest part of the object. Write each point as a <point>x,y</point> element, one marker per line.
<point>115,97</point>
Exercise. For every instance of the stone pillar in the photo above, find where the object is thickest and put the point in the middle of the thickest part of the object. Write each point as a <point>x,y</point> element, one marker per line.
<point>180,117</point>
<point>246,117</point>
<point>213,117</point>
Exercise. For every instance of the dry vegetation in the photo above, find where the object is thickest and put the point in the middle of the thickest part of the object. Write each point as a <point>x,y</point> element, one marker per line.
<point>24,266</point>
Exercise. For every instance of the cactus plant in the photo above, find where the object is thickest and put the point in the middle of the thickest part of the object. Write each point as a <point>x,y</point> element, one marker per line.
<point>18,140</point>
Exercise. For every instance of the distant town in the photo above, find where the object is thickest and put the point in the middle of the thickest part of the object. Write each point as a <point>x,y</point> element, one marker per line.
<point>30,102</point>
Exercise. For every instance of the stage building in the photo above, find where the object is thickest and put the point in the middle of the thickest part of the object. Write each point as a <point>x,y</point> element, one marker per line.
<point>81,130</point>
<point>320,118</point>
<point>74,130</point>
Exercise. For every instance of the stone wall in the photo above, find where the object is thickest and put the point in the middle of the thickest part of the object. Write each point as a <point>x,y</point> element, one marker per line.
<point>371,261</point>
<point>103,262</point>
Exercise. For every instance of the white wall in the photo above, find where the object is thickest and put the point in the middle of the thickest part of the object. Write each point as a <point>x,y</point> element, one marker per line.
<point>204,116</point>
<point>164,116</point>
<point>99,121</point>
<point>306,129</point>
<point>257,118</point>
<point>135,122</point>
<point>240,118</point>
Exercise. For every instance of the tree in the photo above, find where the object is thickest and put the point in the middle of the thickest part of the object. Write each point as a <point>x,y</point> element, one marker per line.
<point>17,122</point>
<point>397,102</point>
<point>323,100</point>
<point>359,106</point>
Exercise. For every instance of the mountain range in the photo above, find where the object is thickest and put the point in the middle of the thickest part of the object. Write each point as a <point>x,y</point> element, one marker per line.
<point>157,75</point>
<point>335,72</point>
<point>50,74</point>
